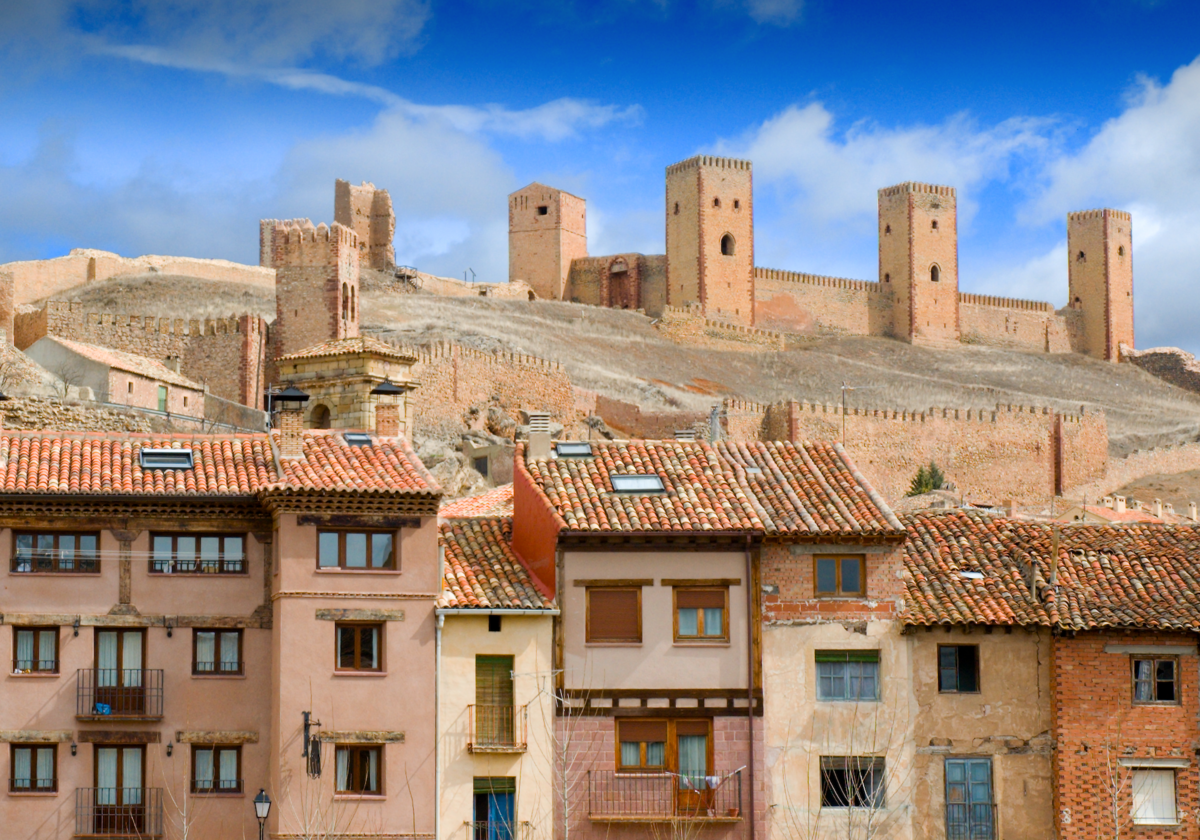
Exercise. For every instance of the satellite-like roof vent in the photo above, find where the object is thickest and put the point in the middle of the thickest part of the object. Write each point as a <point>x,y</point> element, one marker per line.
<point>166,459</point>
<point>685,434</point>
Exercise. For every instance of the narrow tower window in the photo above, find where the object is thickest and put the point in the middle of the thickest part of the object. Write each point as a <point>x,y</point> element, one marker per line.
<point>353,304</point>
<point>887,278</point>
<point>1081,257</point>
<point>716,202</point>
<point>543,210</point>
<point>727,245</point>
<point>345,301</point>
<point>935,224</point>
<point>935,273</point>
<point>887,229</point>
<point>737,204</point>
<point>1120,250</point>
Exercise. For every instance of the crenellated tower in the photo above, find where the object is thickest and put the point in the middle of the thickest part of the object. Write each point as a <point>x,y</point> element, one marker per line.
<point>1100,280</point>
<point>547,229</point>
<point>918,261</point>
<point>367,210</point>
<point>710,237</point>
<point>316,282</point>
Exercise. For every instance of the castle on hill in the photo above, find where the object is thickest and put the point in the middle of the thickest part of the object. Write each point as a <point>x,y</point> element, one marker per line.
<point>709,267</point>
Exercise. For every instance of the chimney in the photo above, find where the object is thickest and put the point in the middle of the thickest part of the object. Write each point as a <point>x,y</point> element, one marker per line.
<point>1156,508</point>
<point>1010,507</point>
<point>685,434</point>
<point>387,420</point>
<point>1054,556</point>
<point>1192,511</point>
<point>1120,504</point>
<point>291,431</point>
<point>538,448</point>
<point>172,363</point>
<point>1107,502</point>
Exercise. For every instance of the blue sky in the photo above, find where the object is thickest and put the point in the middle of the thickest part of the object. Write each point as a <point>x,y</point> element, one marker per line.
<point>172,126</point>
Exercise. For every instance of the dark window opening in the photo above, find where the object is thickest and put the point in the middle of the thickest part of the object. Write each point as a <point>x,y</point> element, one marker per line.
<point>1156,680</point>
<point>935,273</point>
<point>934,227</point>
<point>359,769</point>
<point>852,782</point>
<point>716,202</point>
<point>494,624</point>
<point>1120,250</point>
<point>543,210</point>
<point>1081,257</point>
<point>737,204</point>
<point>481,465</point>
<point>494,809</point>
<point>320,417</point>
<point>359,647</point>
<point>887,278</point>
<point>887,229</point>
<point>676,208</point>
<point>958,669</point>
<point>727,245</point>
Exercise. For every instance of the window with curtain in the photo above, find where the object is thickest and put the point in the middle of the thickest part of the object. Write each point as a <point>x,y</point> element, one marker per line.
<point>362,550</point>
<point>216,769</point>
<point>614,615</point>
<point>359,769</point>
<point>848,675</point>
<point>55,552</point>
<point>1156,680</point>
<point>1154,797</point>
<point>701,613</point>
<point>691,747</point>
<point>213,554</point>
<point>642,744</point>
<point>359,647</point>
<point>217,652</point>
<point>35,650</point>
<point>34,768</point>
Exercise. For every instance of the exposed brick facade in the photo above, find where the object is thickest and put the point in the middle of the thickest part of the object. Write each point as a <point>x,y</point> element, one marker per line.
<point>789,588</point>
<point>367,211</point>
<point>1097,727</point>
<point>619,281</point>
<point>547,229</point>
<point>1100,271</point>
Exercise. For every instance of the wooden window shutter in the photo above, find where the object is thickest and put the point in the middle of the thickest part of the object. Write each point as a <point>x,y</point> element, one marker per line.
<point>493,680</point>
<point>614,615</point>
<point>700,598</point>
<point>642,730</point>
<point>691,727</point>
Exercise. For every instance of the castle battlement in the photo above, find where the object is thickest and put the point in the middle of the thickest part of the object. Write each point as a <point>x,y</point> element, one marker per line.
<point>815,279</point>
<point>917,187</point>
<point>1005,303</point>
<point>969,415</point>
<point>708,160</point>
<point>1100,214</point>
<point>448,349</point>
<point>179,327</point>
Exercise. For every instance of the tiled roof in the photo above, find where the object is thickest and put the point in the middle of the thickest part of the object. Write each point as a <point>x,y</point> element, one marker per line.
<point>108,463</point>
<point>481,569</point>
<point>128,362</point>
<point>495,502</point>
<point>1139,575</point>
<point>778,488</point>
<point>348,346</point>
<point>1127,515</point>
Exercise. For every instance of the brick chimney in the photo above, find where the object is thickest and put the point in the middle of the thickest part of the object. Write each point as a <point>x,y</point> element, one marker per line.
<point>387,420</point>
<point>291,432</point>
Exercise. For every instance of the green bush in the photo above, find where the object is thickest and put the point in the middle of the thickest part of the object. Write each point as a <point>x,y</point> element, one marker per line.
<point>926,480</point>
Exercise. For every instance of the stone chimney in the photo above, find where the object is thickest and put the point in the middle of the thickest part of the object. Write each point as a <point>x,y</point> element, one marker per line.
<point>1156,508</point>
<point>1119,504</point>
<point>387,420</point>
<point>172,363</point>
<point>1192,511</point>
<point>538,448</point>
<point>291,432</point>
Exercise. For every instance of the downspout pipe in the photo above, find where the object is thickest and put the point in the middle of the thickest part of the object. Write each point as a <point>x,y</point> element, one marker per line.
<point>437,728</point>
<point>751,618</point>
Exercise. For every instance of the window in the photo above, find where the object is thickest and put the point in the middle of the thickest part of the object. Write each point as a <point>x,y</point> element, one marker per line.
<point>480,465</point>
<point>320,417</point>
<point>637,483</point>
<point>356,550</point>
<point>543,209</point>
<point>162,397</point>
<point>573,449</point>
<point>129,388</point>
<point>727,245</point>
<point>935,274</point>
<point>701,614</point>
<point>970,812</point>
<point>934,225</point>
<point>958,669</point>
<point>1081,257</point>
<point>676,208</point>
<point>1154,797</point>
<point>1154,680</point>
<point>716,202</point>
<point>55,552</point>
<point>493,715</point>
<point>737,205</point>
<point>217,652</point>
<point>35,650</point>
<point>495,816</point>
<point>614,615</point>
<point>887,278</point>
<point>642,744</point>
<point>185,402</point>
<point>359,647</point>
<point>852,782</point>
<point>216,769</point>
<point>680,746</point>
<point>345,301</point>
<point>841,576</point>
<point>165,459</point>
<point>210,554</point>
<point>359,769</point>
<point>494,623</point>
<point>34,768</point>
<point>848,675</point>
<point>1120,250</point>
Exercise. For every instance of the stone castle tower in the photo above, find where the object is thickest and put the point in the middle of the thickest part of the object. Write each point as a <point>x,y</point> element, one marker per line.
<point>316,282</point>
<point>1100,279</point>
<point>710,237</point>
<point>547,229</point>
<point>367,211</point>
<point>918,261</point>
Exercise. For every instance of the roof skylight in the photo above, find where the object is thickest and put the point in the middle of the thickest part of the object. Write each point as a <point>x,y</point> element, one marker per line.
<point>573,449</point>
<point>637,484</point>
<point>358,438</point>
<point>166,459</point>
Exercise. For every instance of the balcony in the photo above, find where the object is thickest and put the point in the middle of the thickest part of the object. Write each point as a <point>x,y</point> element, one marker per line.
<point>118,813</point>
<point>104,694</point>
<point>496,729</point>
<point>485,830</point>
<point>663,797</point>
<point>971,821</point>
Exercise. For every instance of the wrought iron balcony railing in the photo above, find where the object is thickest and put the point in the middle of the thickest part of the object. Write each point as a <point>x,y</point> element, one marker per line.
<point>971,821</point>
<point>119,812</point>
<point>106,693</point>
<point>498,830</point>
<point>655,797</point>
<point>496,728</point>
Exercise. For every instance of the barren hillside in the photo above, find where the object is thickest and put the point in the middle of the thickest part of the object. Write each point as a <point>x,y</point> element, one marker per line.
<point>622,354</point>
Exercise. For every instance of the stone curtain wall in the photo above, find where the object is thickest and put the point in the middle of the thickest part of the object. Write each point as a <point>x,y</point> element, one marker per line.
<point>689,326</point>
<point>1082,442</point>
<point>226,354</point>
<point>455,379</point>
<point>1013,324</point>
<point>792,302</point>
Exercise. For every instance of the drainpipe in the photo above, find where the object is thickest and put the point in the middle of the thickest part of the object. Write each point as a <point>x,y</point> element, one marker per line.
<point>437,729</point>
<point>750,675</point>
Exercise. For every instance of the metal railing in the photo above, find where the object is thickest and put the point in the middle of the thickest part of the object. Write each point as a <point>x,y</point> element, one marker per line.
<point>161,564</point>
<point>59,561</point>
<point>119,812</point>
<point>116,693</point>
<point>496,728</point>
<point>648,797</point>
<point>32,785</point>
<point>486,830</point>
<point>971,821</point>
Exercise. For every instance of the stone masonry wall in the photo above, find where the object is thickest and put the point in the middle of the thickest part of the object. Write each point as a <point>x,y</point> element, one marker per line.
<point>226,354</point>
<point>792,302</point>
<point>1013,324</point>
<point>1169,364</point>
<point>1097,728</point>
<point>455,379</point>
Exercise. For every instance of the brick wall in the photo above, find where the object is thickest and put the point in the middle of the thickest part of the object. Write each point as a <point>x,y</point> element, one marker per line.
<point>615,281</point>
<point>367,211</point>
<point>455,379</point>
<point>1095,724</point>
<point>1100,279</point>
<point>226,354</point>
<point>793,302</point>
<point>317,283</point>
<point>789,569</point>
<point>547,231</point>
<point>1014,324</point>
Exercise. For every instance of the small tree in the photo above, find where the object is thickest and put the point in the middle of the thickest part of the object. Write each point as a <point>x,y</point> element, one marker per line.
<point>927,480</point>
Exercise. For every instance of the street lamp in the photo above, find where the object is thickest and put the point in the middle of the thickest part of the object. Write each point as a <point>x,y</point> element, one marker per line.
<point>262,807</point>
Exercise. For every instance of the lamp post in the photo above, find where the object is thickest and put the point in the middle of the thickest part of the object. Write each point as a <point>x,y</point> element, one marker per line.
<point>262,807</point>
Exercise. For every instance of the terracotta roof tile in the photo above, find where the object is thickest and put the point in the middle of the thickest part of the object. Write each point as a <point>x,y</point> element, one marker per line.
<point>329,463</point>
<point>128,362</point>
<point>482,571</point>
<point>495,502</point>
<point>779,488</point>
<point>346,346</point>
